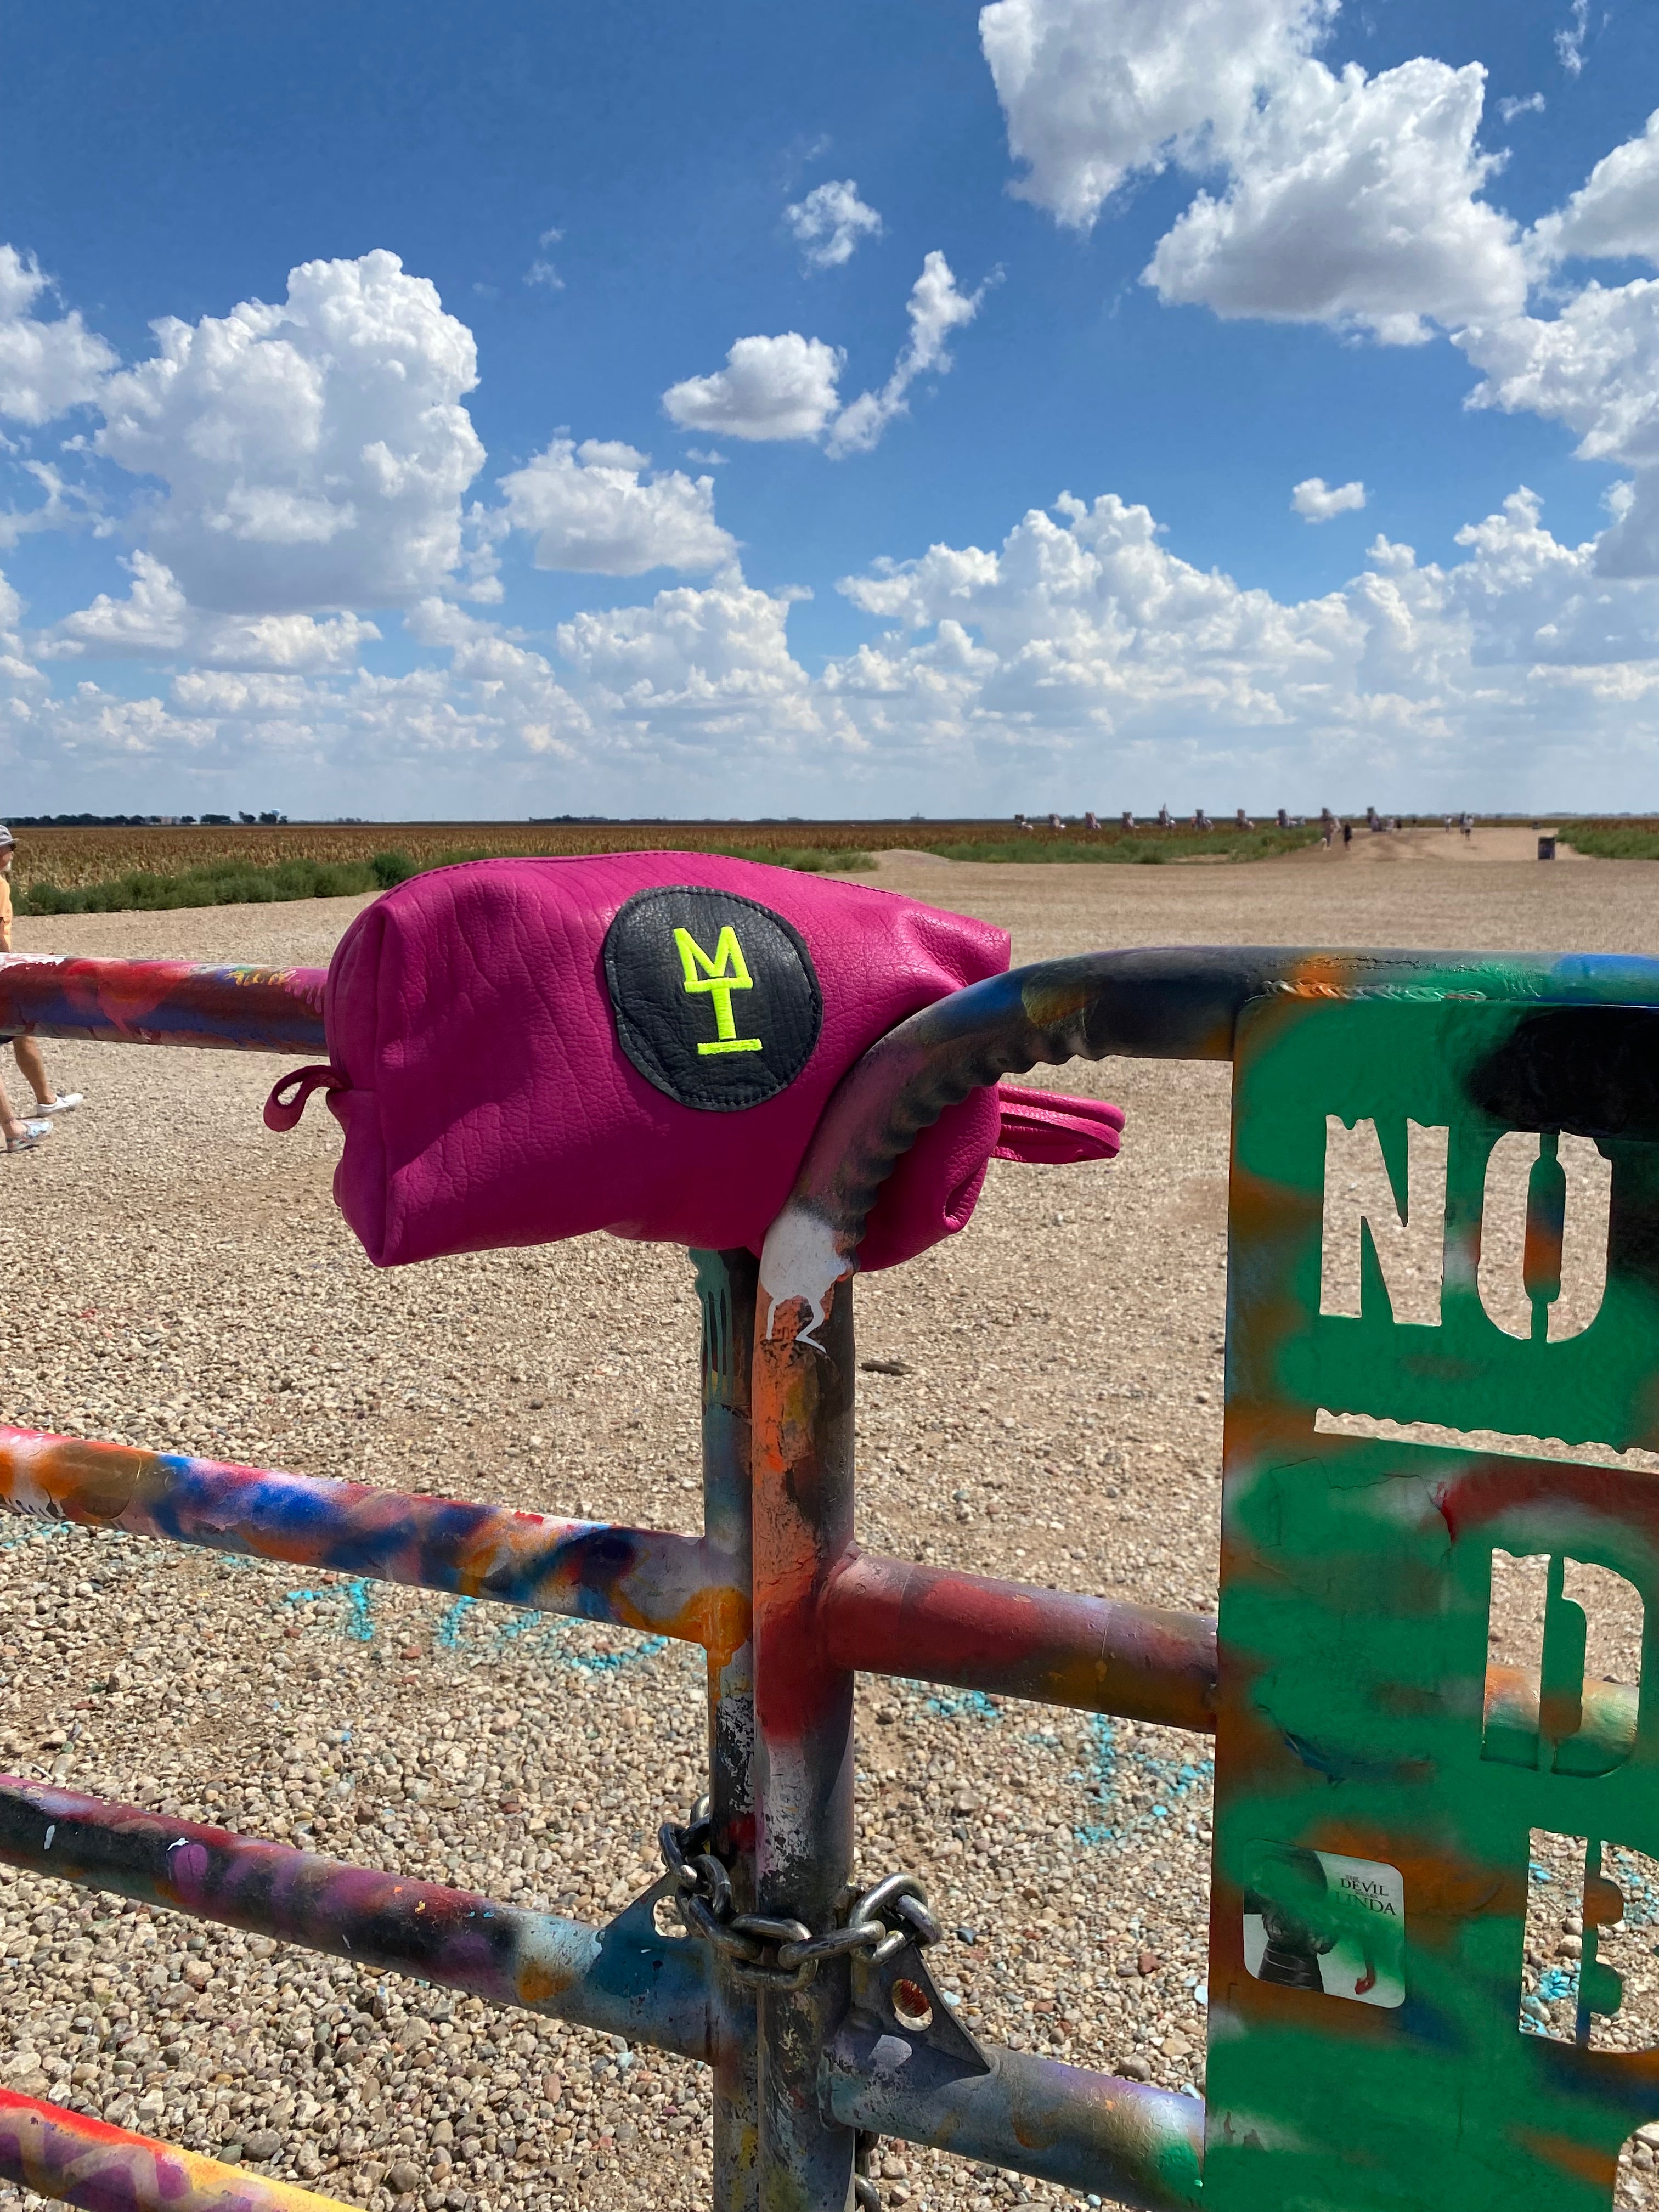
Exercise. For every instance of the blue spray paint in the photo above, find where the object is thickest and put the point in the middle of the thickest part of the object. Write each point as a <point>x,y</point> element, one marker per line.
<point>358,1622</point>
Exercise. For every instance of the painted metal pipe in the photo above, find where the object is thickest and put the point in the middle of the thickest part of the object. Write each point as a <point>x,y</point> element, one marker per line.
<point>1123,2140</point>
<point>78,2160</point>
<point>726,1290</point>
<point>238,1009</point>
<point>661,1583</point>
<point>1605,1733</point>
<point>889,1616</point>
<point>624,1979</point>
<point>803,1383</point>
<point>1179,1002</point>
<point>892,1617</point>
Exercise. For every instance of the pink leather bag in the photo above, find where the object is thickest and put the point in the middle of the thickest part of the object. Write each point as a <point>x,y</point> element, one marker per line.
<point>524,1050</point>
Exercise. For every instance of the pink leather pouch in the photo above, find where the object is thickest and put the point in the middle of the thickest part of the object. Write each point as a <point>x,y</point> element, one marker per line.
<point>526,1050</point>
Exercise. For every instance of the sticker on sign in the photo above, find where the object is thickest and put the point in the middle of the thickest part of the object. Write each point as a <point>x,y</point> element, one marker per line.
<point>1315,1920</point>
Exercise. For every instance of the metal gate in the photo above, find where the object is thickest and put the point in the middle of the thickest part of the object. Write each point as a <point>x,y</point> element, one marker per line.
<point>1383,1790</point>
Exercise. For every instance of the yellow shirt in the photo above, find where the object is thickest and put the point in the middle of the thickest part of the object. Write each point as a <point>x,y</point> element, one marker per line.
<point>5,914</point>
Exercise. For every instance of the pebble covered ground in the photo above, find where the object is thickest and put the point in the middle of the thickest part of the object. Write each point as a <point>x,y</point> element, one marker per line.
<point>1047,1404</point>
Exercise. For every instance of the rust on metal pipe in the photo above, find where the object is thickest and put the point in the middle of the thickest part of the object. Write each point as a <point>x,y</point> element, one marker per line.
<point>231,1008</point>
<point>78,2160</point>
<point>891,1617</point>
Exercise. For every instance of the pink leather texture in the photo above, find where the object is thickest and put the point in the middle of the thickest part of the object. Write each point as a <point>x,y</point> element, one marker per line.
<point>478,1063</point>
<point>1055,1127</point>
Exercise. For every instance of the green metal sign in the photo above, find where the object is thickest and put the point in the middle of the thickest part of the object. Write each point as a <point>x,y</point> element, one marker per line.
<point>1432,1922</point>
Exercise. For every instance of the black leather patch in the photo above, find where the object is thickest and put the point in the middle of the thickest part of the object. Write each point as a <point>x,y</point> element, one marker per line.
<point>715,998</point>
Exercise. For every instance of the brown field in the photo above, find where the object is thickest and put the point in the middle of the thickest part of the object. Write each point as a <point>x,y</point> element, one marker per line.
<point>75,858</point>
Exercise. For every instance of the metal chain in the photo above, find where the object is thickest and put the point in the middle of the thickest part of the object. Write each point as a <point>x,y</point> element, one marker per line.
<point>866,2195</point>
<point>776,1953</point>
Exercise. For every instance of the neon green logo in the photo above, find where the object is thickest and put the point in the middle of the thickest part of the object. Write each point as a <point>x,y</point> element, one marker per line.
<point>727,971</point>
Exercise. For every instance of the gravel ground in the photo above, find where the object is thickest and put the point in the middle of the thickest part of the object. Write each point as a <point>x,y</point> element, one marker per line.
<point>181,1278</point>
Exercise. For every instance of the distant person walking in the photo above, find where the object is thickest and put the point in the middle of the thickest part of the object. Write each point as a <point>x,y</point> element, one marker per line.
<point>46,1099</point>
<point>1347,835</point>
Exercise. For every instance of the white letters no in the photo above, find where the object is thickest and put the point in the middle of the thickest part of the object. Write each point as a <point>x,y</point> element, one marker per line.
<point>1584,1240</point>
<point>1410,1248</point>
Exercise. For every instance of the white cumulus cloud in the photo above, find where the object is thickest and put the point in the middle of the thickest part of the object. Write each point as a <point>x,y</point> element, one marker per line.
<point>314,454</point>
<point>1615,212</point>
<point>769,389</point>
<point>1353,202</point>
<point>786,387</point>
<point>1315,501</point>
<point>592,508</point>
<point>45,366</point>
<point>157,620</point>
<point>1084,636</point>
<point>1589,358</point>
<point>1098,91</point>
<point>936,308</point>
<point>1593,366</point>
<point>1081,647</point>
<point>830,222</point>
<point>1345,199</point>
<point>697,667</point>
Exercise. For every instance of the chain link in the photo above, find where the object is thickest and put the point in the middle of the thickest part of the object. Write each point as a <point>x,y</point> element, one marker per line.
<point>777,1954</point>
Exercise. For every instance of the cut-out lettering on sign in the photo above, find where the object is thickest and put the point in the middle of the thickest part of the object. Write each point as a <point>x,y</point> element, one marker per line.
<point>1564,1639</point>
<point>1544,1235</point>
<point>1590,1975</point>
<point>1407,1229</point>
<point>1545,1218</point>
<point>1317,1920</point>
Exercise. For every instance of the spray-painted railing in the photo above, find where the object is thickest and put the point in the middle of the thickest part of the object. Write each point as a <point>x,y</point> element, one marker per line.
<point>1361,1726</point>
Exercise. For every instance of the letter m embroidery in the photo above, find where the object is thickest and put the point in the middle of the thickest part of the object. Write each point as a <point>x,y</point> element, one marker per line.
<point>719,976</point>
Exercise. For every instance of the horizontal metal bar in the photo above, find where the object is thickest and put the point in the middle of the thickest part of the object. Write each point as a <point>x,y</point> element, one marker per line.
<point>78,2160</point>
<point>661,1583</point>
<point>624,1978</point>
<point>892,1617</point>
<point>241,1008</point>
<point>1607,1728</point>
<point>1167,1002</point>
<point>1123,2140</point>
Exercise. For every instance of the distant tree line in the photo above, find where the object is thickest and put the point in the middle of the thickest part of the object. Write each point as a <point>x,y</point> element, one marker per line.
<point>142,821</point>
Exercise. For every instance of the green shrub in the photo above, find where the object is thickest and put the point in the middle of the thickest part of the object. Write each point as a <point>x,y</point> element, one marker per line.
<point>236,882</point>
<point>225,883</point>
<point>1612,841</point>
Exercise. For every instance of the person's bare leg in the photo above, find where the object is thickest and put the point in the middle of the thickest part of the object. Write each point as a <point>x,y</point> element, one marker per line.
<point>32,1064</point>
<point>10,1122</point>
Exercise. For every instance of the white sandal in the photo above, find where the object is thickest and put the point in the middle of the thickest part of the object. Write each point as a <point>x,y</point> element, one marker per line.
<point>64,1103</point>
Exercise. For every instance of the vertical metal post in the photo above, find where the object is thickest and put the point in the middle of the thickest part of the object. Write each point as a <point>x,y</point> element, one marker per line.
<point>803,1524</point>
<point>726,1292</point>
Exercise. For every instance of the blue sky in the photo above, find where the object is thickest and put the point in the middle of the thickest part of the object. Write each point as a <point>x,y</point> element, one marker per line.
<point>863,410</point>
